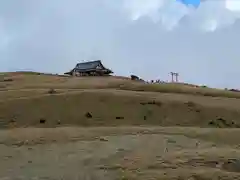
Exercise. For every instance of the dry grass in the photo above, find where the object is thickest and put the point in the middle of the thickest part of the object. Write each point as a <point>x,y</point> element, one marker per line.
<point>23,81</point>
<point>183,89</point>
<point>31,80</point>
<point>112,108</point>
<point>123,139</point>
<point>222,137</point>
<point>120,153</point>
<point>112,101</point>
<point>29,93</point>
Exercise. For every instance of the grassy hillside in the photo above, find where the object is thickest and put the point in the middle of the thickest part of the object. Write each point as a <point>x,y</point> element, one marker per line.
<point>135,148</point>
<point>37,80</point>
<point>26,100</point>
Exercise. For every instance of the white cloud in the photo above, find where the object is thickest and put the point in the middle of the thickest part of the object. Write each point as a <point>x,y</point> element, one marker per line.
<point>138,8</point>
<point>169,13</point>
<point>52,36</point>
<point>209,16</point>
<point>233,5</point>
<point>4,37</point>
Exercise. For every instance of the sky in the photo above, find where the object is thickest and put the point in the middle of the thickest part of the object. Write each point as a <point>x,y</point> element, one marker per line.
<point>149,38</point>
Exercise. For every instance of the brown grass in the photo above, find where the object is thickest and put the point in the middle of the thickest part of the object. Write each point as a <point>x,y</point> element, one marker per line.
<point>112,101</point>
<point>112,108</point>
<point>123,139</point>
<point>125,153</point>
<point>31,80</point>
<point>180,88</point>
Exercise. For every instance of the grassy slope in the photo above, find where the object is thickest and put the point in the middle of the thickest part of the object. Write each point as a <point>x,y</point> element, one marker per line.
<point>122,153</point>
<point>26,100</point>
<point>111,101</point>
<point>31,80</point>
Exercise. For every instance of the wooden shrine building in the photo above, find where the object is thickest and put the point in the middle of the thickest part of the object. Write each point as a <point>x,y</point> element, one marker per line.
<point>90,68</point>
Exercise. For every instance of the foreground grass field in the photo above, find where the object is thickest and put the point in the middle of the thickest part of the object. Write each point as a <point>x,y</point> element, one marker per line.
<point>112,128</point>
<point>120,153</point>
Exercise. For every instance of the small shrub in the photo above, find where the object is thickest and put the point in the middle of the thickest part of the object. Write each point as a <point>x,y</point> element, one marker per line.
<point>12,121</point>
<point>42,121</point>
<point>102,139</point>
<point>190,104</point>
<point>52,91</point>
<point>119,117</point>
<point>7,79</point>
<point>88,115</point>
<point>234,90</point>
<point>134,77</point>
<point>156,103</point>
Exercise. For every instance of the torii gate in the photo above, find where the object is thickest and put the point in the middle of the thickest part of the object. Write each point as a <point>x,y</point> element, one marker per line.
<point>174,74</point>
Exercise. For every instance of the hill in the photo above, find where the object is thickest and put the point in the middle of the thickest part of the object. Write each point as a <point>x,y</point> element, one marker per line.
<point>119,129</point>
<point>35,99</point>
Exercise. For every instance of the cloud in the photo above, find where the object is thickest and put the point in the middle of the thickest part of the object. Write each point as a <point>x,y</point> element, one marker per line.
<point>167,12</point>
<point>209,16</point>
<point>233,5</point>
<point>52,36</point>
<point>4,39</point>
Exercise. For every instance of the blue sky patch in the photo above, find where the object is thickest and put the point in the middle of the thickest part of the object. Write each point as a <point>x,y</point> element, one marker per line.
<point>194,3</point>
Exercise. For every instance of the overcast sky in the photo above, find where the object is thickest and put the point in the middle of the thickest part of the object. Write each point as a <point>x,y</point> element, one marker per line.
<point>149,38</point>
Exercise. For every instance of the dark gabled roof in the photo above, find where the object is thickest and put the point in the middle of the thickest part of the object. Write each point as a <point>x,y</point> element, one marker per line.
<point>88,65</point>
